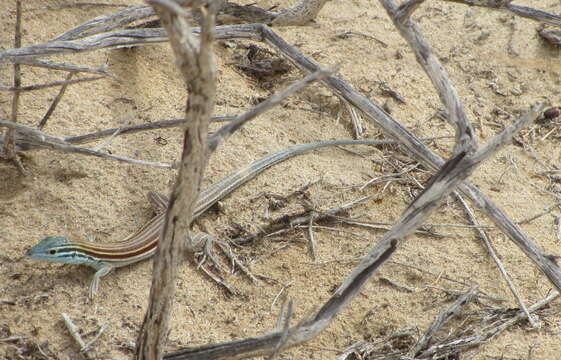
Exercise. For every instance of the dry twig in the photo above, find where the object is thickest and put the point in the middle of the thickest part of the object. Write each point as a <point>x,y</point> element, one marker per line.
<point>500,266</point>
<point>55,102</point>
<point>9,149</point>
<point>444,316</point>
<point>73,330</point>
<point>39,138</point>
<point>18,88</point>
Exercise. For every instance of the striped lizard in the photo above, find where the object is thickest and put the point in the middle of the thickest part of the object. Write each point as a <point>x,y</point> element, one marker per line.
<point>142,244</point>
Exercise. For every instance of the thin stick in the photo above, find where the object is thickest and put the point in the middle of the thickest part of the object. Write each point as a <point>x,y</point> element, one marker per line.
<point>107,141</point>
<point>55,102</point>
<point>383,225</point>
<point>62,66</point>
<point>73,330</point>
<point>18,88</point>
<point>311,239</point>
<point>10,144</point>
<point>227,251</point>
<point>356,120</point>
<point>491,251</point>
<point>443,317</point>
<point>301,220</point>
<point>273,100</point>
<point>100,332</point>
<point>39,138</point>
<point>286,313</point>
<point>457,292</point>
<point>231,290</point>
<point>281,293</point>
<point>398,286</point>
<point>162,124</point>
<point>377,226</point>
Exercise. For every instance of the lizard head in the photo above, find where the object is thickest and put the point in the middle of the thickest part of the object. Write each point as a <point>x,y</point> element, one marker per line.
<point>50,249</point>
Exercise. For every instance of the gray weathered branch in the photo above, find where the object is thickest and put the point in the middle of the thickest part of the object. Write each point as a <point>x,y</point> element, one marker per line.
<point>195,61</point>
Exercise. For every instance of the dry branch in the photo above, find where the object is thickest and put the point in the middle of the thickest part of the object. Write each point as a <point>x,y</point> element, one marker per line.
<point>70,41</point>
<point>162,124</point>
<point>489,332</point>
<point>195,62</point>
<point>23,144</point>
<point>32,139</point>
<point>448,95</point>
<point>106,23</point>
<point>299,14</point>
<point>411,145</point>
<point>435,71</point>
<point>475,330</point>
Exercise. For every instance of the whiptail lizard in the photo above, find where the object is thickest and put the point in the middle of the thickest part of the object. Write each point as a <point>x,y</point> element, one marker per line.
<point>142,244</point>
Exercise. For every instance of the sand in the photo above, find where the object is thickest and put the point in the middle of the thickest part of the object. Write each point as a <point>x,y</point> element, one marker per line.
<point>499,66</point>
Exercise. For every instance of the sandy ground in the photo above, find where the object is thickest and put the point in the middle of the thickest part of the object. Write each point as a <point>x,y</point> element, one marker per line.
<point>497,62</point>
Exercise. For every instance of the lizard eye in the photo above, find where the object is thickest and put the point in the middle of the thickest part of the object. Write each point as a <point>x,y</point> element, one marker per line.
<point>52,252</point>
